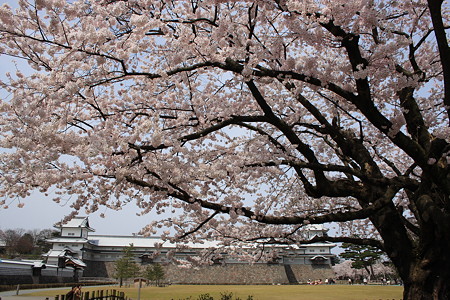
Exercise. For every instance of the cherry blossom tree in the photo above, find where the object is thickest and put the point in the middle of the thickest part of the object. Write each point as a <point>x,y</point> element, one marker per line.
<point>253,118</point>
<point>344,270</point>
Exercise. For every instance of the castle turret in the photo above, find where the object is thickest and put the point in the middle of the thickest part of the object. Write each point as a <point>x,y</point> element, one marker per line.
<point>67,249</point>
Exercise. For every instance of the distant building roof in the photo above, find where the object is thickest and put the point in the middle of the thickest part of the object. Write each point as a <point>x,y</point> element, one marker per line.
<point>60,253</point>
<point>321,244</point>
<point>75,262</point>
<point>55,253</point>
<point>142,242</point>
<point>34,264</point>
<point>153,242</point>
<point>318,257</point>
<point>67,240</point>
<point>316,227</point>
<point>76,222</point>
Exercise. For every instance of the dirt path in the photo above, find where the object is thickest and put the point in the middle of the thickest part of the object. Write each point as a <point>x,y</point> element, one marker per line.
<point>11,295</point>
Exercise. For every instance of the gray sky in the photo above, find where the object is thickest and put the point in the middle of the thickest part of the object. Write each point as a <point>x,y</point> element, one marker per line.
<point>42,213</point>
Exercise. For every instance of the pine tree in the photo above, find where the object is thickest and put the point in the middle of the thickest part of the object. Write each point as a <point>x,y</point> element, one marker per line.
<point>154,273</point>
<point>126,267</point>
<point>362,257</point>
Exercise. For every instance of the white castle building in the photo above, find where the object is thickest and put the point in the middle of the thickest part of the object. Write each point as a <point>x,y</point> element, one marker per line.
<point>77,247</point>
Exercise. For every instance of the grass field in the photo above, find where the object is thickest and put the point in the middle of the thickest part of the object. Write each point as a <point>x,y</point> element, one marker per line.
<point>259,292</point>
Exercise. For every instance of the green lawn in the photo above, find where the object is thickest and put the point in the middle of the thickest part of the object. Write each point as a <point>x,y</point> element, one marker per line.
<point>261,292</point>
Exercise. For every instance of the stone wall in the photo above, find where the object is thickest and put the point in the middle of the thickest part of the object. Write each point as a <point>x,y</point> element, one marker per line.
<point>11,274</point>
<point>98,269</point>
<point>303,273</point>
<point>225,274</point>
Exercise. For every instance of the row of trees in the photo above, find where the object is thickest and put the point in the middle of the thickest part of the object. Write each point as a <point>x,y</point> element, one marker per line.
<point>126,268</point>
<point>21,242</point>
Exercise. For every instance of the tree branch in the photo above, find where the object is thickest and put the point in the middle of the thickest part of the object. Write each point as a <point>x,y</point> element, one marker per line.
<point>352,240</point>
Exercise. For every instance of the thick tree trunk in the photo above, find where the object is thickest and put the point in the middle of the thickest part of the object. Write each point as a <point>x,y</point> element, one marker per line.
<point>429,274</point>
<point>428,282</point>
<point>422,260</point>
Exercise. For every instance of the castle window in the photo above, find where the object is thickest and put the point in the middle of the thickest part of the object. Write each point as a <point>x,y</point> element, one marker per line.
<point>146,259</point>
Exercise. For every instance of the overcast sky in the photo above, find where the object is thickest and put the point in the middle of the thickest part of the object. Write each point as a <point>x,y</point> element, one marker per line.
<point>42,213</point>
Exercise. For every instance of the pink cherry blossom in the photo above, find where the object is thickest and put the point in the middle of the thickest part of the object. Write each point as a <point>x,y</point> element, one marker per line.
<point>239,120</point>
